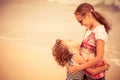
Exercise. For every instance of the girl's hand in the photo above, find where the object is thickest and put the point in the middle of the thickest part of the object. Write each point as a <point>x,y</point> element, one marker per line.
<point>107,65</point>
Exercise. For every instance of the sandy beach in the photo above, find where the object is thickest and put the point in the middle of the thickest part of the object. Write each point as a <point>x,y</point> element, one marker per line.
<point>28,30</point>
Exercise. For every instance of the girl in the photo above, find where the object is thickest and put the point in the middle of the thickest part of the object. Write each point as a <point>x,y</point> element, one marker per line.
<point>92,47</point>
<point>67,53</point>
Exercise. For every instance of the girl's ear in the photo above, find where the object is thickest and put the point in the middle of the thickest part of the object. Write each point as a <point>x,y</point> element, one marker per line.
<point>90,16</point>
<point>87,15</point>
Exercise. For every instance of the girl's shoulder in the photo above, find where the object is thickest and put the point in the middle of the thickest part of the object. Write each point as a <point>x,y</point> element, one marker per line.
<point>100,33</point>
<point>99,28</point>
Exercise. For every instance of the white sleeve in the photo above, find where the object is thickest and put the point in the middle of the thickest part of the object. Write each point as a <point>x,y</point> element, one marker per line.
<point>101,34</point>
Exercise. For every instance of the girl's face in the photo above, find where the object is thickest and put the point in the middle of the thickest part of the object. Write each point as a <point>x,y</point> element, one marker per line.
<point>84,19</point>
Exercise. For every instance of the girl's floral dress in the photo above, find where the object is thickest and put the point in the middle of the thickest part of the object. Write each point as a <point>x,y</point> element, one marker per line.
<point>88,48</point>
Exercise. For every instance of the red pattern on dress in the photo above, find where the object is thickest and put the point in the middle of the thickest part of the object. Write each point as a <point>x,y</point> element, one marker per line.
<point>88,51</point>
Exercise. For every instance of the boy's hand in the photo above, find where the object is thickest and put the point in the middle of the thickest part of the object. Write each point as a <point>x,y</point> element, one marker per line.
<point>73,69</point>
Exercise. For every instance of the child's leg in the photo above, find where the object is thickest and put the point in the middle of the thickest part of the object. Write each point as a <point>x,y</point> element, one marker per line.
<point>76,79</point>
<point>89,78</point>
<point>103,78</point>
<point>85,77</point>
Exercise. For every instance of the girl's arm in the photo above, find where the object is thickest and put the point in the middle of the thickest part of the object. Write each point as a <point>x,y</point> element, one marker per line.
<point>97,59</point>
<point>80,60</point>
<point>98,69</point>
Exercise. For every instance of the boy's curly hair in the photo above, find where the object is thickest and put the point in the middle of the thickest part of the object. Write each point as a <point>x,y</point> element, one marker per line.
<point>61,53</point>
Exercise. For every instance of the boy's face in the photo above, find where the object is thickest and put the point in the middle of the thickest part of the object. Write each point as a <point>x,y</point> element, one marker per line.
<point>71,44</point>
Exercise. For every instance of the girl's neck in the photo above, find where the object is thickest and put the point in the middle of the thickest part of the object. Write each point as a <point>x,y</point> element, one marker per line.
<point>94,25</point>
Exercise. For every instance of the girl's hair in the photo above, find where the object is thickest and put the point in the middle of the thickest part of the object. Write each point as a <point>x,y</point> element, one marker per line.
<point>86,7</point>
<point>61,53</point>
